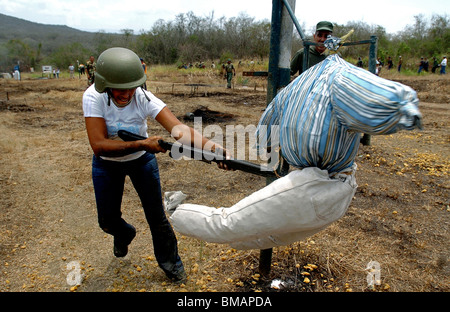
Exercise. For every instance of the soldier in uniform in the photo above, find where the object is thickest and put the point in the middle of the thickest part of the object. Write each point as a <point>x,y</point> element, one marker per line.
<point>229,72</point>
<point>90,70</point>
<point>316,53</point>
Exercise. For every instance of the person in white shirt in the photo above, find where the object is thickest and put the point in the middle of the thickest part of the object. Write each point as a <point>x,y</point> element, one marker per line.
<point>71,70</point>
<point>443,65</point>
<point>117,101</point>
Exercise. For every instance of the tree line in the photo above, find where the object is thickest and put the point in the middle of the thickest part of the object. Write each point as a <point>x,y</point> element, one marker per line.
<point>192,38</point>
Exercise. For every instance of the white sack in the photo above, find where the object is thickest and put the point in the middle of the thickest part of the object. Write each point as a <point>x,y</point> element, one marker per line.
<point>276,240</point>
<point>172,200</point>
<point>303,202</point>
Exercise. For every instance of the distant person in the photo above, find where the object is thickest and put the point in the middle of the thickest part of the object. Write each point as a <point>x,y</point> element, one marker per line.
<point>230,71</point>
<point>144,66</point>
<point>378,68</point>
<point>81,69</point>
<point>421,65</point>
<point>316,53</point>
<point>71,71</point>
<point>435,65</point>
<point>390,63</point>
<point>16,72</point>
<point>426,65</point>
<point>359,63</point>
<point>90,70</point>
<point>443,65</point>
<point>400,63</point>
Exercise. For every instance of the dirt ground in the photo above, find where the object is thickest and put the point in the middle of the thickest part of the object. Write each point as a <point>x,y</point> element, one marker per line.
<point>49,234</point>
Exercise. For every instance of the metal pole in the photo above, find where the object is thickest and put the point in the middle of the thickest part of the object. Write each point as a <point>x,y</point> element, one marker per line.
<point>373,54</point>
<point>284,62</point>
<point>279,77</point>
<point>274,54</point>
<point>288,7</point>
<point>280,48</point>
<point>372,68</point>
<point>306,44</point>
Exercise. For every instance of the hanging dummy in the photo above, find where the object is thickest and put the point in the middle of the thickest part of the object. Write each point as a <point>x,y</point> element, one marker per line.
<point>317,122</point>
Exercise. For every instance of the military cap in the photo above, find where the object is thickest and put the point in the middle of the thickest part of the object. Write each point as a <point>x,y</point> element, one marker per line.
<point>324,25</point>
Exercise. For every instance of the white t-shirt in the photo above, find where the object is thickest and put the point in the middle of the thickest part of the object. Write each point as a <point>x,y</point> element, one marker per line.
<point>132,117</point>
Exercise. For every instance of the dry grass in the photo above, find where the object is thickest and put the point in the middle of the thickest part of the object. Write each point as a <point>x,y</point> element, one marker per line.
<point>399,216</point>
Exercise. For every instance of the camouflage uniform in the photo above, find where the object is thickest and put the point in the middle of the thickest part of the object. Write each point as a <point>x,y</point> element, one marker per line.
<point>229,69</point>
<point>90,70</point>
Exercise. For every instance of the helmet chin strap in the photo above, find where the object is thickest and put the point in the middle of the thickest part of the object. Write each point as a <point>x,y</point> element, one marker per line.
<point>145,94</point>
<point>108,91</point>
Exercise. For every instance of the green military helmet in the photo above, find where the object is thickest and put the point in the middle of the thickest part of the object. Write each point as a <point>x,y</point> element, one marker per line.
<point>118,68</point>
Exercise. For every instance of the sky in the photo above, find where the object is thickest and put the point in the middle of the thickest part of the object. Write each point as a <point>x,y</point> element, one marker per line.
<point>115,15</point>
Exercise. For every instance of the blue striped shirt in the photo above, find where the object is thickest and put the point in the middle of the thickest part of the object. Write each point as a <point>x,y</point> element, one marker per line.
<point>319,117</point>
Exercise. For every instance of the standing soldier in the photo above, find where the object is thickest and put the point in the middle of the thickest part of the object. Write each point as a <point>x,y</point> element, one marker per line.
<point>90,70</point>
<point>229,72</point>
<point>316,53</point>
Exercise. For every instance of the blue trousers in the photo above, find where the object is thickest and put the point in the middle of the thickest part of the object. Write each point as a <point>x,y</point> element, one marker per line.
<point>109,180</point>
